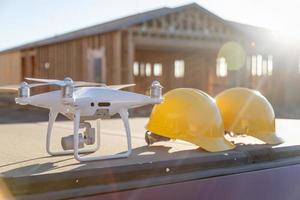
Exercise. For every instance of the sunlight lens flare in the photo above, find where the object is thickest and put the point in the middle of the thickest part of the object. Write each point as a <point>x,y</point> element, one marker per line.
<point>234,55</point>
<point>4,191</point>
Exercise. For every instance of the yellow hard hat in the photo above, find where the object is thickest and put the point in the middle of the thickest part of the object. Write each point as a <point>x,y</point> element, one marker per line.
<point>248,112</point>
<point>190,115</point>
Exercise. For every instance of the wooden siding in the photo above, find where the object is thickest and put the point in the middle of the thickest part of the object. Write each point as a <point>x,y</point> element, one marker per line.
<point>70,58</point>
<point>196,73</point>
<point>10,68</point>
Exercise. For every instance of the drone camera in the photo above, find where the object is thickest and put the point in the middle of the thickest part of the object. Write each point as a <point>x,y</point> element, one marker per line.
<point>88,137</point>
<point>67,142</point>
<point>89,134</point>
<point>103,113</point>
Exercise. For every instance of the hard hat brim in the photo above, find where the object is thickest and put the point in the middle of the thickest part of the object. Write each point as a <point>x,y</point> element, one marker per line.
<point>214,144</point>
<point>272,138</point>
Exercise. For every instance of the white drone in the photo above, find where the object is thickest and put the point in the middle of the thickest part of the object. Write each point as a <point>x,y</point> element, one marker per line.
<point>81,101</point>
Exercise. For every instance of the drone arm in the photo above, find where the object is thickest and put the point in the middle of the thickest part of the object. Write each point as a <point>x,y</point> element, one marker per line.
<point>124,115</point>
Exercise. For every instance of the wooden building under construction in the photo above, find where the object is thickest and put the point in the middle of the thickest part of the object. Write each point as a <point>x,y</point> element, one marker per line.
<point>186,46</point>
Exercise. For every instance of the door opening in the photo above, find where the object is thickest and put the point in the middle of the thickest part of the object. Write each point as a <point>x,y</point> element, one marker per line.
<point>96,65</point>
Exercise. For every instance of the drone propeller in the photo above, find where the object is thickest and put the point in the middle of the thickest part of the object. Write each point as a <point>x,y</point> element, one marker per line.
<point>15,88</point>
<point>78,83</point>
<point>9,88</point>
<point>65,82</point>
<point>119,87</point>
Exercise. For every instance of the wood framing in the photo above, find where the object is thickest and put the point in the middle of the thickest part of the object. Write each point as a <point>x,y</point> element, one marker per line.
<point>152,42</point>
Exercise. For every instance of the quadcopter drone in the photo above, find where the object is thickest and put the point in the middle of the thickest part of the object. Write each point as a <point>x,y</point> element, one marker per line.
<point>82,101</point>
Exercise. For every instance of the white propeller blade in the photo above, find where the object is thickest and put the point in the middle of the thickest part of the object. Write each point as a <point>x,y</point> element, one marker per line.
<point>119,87</point>
<point>42,80</point>
<point>87,84</point>
<point>9,88</point>
<point>15,88</point>
<point>78,83</point>
<point>48,81</point>
<point>63,83</point>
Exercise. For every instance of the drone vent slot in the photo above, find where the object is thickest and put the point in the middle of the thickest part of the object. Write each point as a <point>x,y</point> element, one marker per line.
<point>103,104</point>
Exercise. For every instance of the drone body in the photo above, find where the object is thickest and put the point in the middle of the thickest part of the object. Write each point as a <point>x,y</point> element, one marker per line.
<point>81,101</point>
<point>89,100</point>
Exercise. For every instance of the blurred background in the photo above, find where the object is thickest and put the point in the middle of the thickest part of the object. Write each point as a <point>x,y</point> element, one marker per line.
<point>206,44</point>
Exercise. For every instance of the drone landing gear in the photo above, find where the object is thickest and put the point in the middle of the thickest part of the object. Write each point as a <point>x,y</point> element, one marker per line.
<point>124,115</point>
<point>73,144</point>
<point>52,118</point>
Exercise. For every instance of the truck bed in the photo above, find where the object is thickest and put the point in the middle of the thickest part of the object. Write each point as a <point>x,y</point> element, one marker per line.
<point>28,172</point>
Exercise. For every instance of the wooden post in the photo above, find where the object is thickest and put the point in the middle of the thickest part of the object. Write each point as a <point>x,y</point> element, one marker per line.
<point>128,57</point>
<point>117,58</point>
